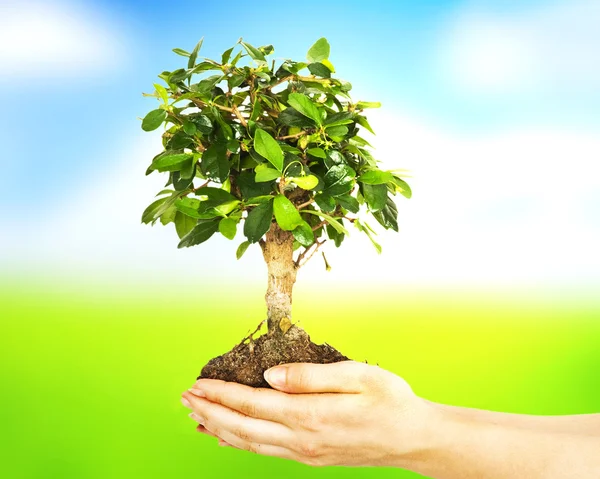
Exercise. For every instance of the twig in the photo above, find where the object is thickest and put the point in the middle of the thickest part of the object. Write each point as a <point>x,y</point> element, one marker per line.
<point>201,103</point>
<point>240,117</point>
<point>288,137</point>
<point>201,186</point>
<point>305,204</point>
<point>251,334</point>
<point>316,227</point>
<point>318,244</point>
<point>279,82</point>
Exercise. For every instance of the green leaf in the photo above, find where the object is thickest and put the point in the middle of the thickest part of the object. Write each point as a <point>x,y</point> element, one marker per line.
<point>162,91</point>
<point>375,195</point>
<point>319,51</point>
<point>258,221</point>
<point>292,117</point>
<point>304,234</point>
<point>333,235</point>
<point>348,202</point>
<point>304,105</point>
<point>228,227</point>
<point>376,177</point>
<point>203,123</point>
<point>206,85</point>
<point>254,53</point>
<point>153,120</point>
<point>248,186</point>
<point>339,180</point>
<point>194,54</point>
<point>287,216</point>
<point>267,49</point>
<point>334,157</point>
<point>325,202</point>
<point>317,152</point>
<point>150,213</point>
<point>367,230</point>
<point>226,55</point>
<point>200,233</point>
<point>168,216</point>
<point>402,187</point>
<point>181,52</point>
<point>362,121</point>
<point>179,75</point>
<point>189,127</point>
<point>225,208</point>
<point>184,224</point>
<point>214,162</point>
<point>332,221</point>
<point>257,200</point>
<point>307,182</point>
<point>172,162</point>
<point>339,118</point>
<point>215,196</point>
<point>242,249</point>
<point>368,104</point>
<point>179,182</point>
<point>266,174</point>
<point>188,207</point>
<point>320,70</point>
<point>179,141</point>
<point>235,80</point>
<point>388,216</point>
<point>266,146</point>
<point>337,131</point>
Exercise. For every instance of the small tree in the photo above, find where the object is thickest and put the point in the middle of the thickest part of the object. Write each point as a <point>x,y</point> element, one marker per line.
<point>280,151</point>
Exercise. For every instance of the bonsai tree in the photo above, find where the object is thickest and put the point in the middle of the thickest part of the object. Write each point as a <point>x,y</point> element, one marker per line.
<point>276,151</point>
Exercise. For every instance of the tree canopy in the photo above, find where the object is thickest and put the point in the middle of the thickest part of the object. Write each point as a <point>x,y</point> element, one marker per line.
<point>260,142</point>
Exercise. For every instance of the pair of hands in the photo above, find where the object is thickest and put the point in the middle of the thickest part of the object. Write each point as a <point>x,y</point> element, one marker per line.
<point>345,413</point>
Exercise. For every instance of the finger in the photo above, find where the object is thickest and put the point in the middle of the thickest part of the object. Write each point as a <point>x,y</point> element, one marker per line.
<point>341,377</point>
<point>219,419</point>
<point>258,448</point>
<point>260,403</point>
<point>203,430</point>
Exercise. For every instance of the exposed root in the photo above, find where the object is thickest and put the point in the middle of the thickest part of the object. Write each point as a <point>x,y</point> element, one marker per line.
<point>246,362</point>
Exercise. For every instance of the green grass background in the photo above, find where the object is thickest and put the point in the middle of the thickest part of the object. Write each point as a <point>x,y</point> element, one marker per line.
<point>92,375</point>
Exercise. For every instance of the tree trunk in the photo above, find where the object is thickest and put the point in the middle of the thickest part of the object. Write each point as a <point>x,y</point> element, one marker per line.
<point>278,250</point>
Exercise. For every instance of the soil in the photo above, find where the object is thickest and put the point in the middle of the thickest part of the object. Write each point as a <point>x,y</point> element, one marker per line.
<point>246,362</point>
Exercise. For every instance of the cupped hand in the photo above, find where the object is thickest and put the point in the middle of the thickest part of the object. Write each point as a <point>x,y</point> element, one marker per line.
<point>345,413</point>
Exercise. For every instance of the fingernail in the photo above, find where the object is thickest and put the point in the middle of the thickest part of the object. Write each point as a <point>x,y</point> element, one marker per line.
<point>186,403</point>
<point>275,376</point>
<point>197,392</point>
<point>196,418</point>
<point>223,443</point>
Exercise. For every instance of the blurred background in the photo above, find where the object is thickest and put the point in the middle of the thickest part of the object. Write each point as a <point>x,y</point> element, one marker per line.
<point>488,297</point>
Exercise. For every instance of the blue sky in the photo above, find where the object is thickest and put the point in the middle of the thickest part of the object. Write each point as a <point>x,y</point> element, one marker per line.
<point>464,74</point>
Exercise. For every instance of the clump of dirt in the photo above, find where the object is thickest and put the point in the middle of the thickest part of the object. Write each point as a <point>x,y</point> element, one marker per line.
<point>246,362</point>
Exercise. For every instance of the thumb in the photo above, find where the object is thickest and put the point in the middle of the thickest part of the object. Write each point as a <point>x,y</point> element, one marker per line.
<point>344,377</point>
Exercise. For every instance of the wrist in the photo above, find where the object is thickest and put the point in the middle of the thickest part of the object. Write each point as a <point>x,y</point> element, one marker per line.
<point>419,437</point>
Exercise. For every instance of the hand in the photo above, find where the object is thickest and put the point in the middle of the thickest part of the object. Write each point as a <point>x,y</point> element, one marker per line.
<point>345,413</point>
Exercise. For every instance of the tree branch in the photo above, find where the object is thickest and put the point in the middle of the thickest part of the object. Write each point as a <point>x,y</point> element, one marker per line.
<point>316,227</point>
<point>303,254</point>
<point>289,137</point>
<point>305,204</point>
<point>239,116</point>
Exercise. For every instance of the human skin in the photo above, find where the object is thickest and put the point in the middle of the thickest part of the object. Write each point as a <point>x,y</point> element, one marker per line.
<point>355,414</point>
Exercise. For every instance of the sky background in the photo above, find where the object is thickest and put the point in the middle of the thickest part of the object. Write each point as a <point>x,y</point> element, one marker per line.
<point>494,106</point>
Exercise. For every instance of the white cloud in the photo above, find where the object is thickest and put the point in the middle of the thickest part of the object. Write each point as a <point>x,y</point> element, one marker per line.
<point>56,39</point>
<point>549,47</point>
<point>509,208</point>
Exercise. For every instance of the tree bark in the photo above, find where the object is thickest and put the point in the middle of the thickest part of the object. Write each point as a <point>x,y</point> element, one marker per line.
<point>278,250</point>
